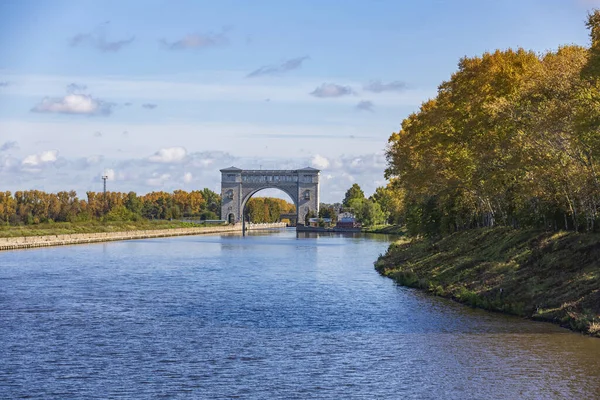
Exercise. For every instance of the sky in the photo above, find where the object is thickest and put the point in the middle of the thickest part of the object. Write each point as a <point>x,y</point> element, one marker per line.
<point>160,95</point>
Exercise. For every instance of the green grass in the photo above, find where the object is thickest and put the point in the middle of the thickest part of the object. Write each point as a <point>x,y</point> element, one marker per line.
<point>387,229</point>
<point>60,228</point>
<point>540,275</point>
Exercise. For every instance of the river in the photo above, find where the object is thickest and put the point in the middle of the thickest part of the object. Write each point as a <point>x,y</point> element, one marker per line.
<point>269,315</point>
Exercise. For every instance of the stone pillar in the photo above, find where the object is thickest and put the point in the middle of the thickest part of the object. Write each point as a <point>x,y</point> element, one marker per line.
<point>231,194</point>
<point>308,193</point>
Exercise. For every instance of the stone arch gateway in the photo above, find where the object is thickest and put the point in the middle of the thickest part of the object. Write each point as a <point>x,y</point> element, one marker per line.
<point>238,186</point>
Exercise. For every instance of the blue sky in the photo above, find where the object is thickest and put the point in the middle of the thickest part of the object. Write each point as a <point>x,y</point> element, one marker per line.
<point>162,94</point>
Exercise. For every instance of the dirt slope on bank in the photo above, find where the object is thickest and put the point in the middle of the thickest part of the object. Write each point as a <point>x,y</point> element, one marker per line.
<point>546,276</point>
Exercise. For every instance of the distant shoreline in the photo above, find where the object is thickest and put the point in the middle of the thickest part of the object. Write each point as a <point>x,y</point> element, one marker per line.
<point>29,242</point>
<point>301,228</point>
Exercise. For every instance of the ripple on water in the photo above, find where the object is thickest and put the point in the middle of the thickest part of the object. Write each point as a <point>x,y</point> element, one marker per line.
<point>262,316</point>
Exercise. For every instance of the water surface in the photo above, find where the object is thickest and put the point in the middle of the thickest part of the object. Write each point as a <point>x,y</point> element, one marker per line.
<point>263,316</point>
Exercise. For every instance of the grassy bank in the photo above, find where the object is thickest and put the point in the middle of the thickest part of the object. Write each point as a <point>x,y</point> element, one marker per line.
<point>388,229</point>
<point>544,276</point>
<point>59,228</point>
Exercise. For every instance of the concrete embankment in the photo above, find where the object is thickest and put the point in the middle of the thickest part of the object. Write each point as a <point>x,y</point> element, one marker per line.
<point>548,276</point>
<point>27,242</point>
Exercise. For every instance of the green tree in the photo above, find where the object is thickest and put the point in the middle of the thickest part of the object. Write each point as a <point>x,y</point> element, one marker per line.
<point>120,213</point>
<point>212,201</point>
<point>133,203</point>
<point>355,192</point>
<point>328,211</point>
<point>391,200</point>
<point>367,212</point>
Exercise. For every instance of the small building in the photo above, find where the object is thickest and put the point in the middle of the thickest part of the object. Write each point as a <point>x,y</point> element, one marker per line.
<point>344,214</point>
<point>319,222</point>
<point>347,220</point>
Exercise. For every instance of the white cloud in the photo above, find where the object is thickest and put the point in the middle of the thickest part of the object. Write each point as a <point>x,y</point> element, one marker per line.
<point>76,88</point>
<point>83,163</point>
<point>211,87</point>
<point>110,174</point>
<point>73,103</point>
<point>94,159</point>
<point>203,162</point>
<point>36,160</point>
<point>9,163</point>
<point>286,66</point>
<point>187,177</point>
<point>331,90</point>
<point>319,162</point>
<point>198,41</point>
<point>9,146</point>
<point>243,139</point>
<point>97,39</point>
<point>169,155</point>
<point>365,169</point>
<point>379,87</point>
<point>348,177</point>
<point>158,179</point>
<point>341,172</point>
<point>365,105</point>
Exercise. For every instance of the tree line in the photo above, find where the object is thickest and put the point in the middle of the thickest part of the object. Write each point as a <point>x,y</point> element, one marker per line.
<point>34,206</point>
<point>374,210</point>
<point>267,209</point>
<point>512,138</point>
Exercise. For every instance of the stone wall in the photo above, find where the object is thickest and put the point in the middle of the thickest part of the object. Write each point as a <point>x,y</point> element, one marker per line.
<point>26,242</point>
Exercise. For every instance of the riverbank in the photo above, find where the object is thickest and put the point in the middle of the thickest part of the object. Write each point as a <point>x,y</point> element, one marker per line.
<point>547,276</point>
<point>386,229</point>
<point>27,242</point>
<point>301,228</point>
<point>94,226</point>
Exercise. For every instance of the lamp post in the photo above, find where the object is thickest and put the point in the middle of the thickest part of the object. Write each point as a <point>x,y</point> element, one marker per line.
<point>104,178</point>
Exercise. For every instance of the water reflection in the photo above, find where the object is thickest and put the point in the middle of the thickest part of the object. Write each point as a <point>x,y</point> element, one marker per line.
<point>268,315</point>
<point>347,235</point>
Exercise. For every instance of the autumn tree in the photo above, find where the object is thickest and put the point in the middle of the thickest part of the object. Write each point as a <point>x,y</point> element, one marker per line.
<point>512,138</point>
<point>34,206</point>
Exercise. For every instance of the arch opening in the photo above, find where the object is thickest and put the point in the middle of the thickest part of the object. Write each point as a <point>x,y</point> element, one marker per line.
<point>269,204</point>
